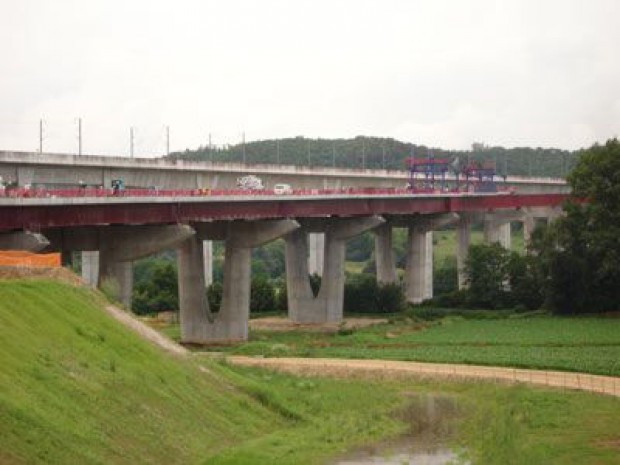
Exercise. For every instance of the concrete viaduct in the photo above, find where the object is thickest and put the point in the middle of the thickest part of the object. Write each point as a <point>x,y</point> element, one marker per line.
<point>112,232</point>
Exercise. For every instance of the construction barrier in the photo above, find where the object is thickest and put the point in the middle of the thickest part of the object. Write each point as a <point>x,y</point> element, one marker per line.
<point>29,259</point>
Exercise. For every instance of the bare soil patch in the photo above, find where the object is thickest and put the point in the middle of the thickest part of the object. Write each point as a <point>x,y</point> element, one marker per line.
<point>22,272</point>
<point>284,324</point>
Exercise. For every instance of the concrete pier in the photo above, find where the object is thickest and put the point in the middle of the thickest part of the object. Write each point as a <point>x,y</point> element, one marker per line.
<point>463,241</point>
<point>327,306</point>
<point>198,324</point>
<point>384,254</point>
<point>316,253</point>
<point>419,266</point>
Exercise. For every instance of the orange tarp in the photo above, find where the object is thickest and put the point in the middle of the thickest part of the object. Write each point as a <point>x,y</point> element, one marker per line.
<point>20,258</point>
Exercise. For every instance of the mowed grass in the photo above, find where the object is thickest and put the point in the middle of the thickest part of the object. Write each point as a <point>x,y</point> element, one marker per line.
<point>77,387</point>
<point>589,345</point>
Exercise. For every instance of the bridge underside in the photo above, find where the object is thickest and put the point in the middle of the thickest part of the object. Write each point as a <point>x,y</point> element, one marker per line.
<point>112,234</point>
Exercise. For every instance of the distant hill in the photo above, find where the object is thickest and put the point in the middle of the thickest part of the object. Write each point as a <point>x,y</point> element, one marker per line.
<point>376,152</point>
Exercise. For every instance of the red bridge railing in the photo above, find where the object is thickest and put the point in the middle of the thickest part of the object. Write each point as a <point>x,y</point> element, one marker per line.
<point>22,192</point>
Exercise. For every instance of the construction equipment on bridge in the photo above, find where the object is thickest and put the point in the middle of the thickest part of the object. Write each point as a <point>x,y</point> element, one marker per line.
<point>480,176</point>
<point>428,175</point>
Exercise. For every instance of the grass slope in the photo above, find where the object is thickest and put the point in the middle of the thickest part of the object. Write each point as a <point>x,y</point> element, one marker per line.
<point>77,387</point>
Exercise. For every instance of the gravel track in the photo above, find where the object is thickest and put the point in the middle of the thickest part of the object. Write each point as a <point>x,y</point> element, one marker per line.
<point>391,369</point>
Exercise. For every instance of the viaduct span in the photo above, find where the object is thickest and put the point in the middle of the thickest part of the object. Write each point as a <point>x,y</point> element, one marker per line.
<point>113,231</point>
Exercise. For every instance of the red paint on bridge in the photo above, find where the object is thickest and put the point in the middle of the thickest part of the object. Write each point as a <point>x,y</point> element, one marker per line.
<point>17,214</point>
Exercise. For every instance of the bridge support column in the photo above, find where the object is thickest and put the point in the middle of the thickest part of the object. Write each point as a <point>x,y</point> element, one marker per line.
<point>384,255</point>
<point>207,258</point>
<point>120,246</point>
<point>529,224</point>
<point>463,240</point>
<point>327,306</point>
<point>119,277</point>
<point>497,227</point>
<point>90,267</point>
<point>193,304</point>
<point>198,324</point>
<point>302,305</point>
<point>419,266</point>
<point>419,262</point>
<point>533,216</point>
<point>316,253</point>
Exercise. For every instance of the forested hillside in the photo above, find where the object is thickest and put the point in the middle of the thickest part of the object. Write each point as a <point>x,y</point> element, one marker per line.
<point>376,152</point>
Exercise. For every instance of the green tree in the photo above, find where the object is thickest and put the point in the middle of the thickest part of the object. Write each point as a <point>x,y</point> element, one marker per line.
<point>486,268</point>
<point>262,296</point>
<point>158,290</point>
<point>581,251</point>
<point>526,281</point>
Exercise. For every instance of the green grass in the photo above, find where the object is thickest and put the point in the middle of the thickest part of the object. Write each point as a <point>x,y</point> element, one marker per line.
<point>77,387</point>
<point>589,345</point>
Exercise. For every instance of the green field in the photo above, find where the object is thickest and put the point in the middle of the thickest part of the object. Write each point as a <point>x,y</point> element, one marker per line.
<point>77,387</point>
<point>589,345</point>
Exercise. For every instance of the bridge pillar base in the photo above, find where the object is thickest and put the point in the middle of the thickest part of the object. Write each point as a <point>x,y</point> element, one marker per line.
<point>327,306</point>
<point>198,324</point>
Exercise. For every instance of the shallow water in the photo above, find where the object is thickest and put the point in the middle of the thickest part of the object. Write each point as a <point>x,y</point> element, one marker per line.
<point>431,419</point>
<point>408,455</point>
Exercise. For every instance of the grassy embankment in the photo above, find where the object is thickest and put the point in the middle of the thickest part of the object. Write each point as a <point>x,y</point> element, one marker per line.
<point>76,387</point>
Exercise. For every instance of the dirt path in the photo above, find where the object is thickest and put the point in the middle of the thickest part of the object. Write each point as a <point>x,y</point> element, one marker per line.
<point>145,331</point>
<point>278,323</point>
<point>386,368</point>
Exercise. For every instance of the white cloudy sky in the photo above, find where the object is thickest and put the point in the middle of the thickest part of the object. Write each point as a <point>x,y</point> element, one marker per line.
<point>443,73</point>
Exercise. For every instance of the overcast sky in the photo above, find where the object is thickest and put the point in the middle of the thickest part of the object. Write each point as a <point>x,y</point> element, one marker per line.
<point>441,73</point>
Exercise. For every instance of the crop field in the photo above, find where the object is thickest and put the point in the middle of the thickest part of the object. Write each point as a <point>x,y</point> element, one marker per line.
<point>589,345</point>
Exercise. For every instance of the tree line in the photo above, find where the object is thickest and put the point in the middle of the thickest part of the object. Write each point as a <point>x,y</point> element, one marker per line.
<point>384,153</point>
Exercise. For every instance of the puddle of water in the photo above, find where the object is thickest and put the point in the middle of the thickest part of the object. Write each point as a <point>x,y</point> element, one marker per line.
<point>431,419</point>
<point>407,455</point>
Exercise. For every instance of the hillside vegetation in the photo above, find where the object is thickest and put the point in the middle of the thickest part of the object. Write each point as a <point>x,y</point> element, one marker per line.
<point>381,152</point>
<point>76,387</point>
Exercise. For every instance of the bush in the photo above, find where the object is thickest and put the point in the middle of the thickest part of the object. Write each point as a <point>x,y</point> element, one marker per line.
<point>390,298</point>
<point>262,296</point>
<point>214,296</point>
<point>362,294</point>
<point>445,277</point>
<point>315,284</point>
<point>281,297</point>
<point>458,298</point>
